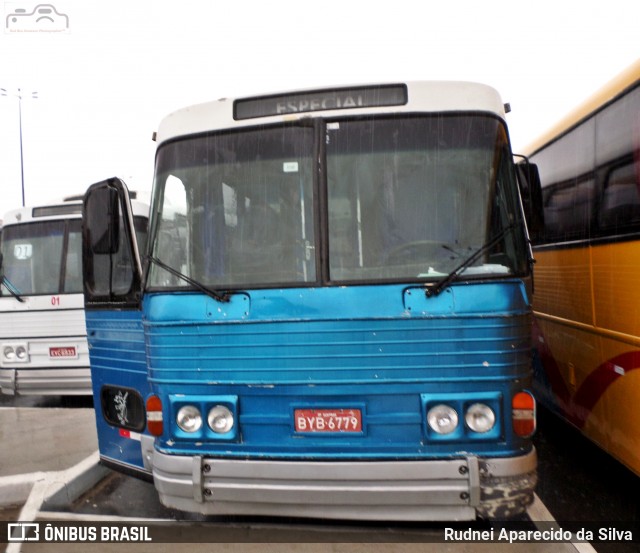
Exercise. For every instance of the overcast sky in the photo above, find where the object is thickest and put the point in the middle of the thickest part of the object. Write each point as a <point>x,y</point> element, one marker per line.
<point>106,80</point>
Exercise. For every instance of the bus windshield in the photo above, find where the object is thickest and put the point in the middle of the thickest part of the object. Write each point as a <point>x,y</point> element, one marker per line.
<point>404,198</point>
<point>39,258</point>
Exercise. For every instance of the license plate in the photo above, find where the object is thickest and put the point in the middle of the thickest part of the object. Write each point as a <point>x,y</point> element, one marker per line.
<point>66,352</point>
<point>328,420</point>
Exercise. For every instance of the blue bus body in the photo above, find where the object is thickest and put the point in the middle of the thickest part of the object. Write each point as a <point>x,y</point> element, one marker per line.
<point>117,355</point>
<point>386,350</point>
<point>374,399</point>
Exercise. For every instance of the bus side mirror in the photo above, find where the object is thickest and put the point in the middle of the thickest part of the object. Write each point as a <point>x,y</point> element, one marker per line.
<point>102,221</point>
<point>531,194</point>
<point>111,268</point>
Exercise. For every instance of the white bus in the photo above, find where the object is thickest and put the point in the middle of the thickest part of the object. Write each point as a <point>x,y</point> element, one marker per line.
<point>43,336</point>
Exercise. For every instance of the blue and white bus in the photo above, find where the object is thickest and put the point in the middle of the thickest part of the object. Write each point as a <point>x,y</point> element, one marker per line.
<point>332,317</point>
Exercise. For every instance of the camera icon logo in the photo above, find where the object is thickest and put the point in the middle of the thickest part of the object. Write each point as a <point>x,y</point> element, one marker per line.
<point>42,18</point>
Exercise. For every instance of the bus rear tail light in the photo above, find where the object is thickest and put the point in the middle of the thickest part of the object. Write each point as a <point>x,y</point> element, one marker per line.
<point>523,407</point>
<point>155,423</point>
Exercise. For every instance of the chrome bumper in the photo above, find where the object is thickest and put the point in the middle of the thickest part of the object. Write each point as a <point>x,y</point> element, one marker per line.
<point>456,489</point>
<point>54,381</point>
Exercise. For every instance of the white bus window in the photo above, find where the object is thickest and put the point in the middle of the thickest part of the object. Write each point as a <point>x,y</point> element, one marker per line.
<point>33,256</point>
<point>73,261</point>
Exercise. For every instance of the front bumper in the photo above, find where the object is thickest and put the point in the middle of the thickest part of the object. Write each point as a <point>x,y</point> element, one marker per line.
<point>457,489</point>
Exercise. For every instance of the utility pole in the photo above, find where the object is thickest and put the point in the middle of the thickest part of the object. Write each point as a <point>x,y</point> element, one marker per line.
<point>19,95</point>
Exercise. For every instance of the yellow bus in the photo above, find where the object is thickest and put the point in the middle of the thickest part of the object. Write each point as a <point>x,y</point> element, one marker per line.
<point>587,272</point>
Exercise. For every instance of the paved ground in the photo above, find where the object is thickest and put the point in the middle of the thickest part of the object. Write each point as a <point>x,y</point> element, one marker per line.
<point>35,439</point>
<point>48,463</point>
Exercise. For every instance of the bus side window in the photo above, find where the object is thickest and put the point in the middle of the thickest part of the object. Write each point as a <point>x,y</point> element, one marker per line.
<point>620,207</point>
<point>568,209</point>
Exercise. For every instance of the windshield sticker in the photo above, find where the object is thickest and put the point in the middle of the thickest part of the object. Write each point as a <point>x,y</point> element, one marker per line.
<point>290,167</point>
<point>22,251</point>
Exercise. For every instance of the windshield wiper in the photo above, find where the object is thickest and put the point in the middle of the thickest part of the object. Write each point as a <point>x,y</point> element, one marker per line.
<point>4,281</point>
<point>435,289</point>
<point>222,297</point>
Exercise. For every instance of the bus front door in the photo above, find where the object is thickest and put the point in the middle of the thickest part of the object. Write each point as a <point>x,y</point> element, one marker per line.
<point>112,284</point>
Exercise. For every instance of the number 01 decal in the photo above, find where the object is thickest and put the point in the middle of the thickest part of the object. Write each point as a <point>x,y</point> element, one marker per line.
<point>55,300</point>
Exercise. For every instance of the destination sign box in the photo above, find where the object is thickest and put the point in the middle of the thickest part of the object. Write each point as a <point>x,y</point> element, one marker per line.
<point>321,100</point>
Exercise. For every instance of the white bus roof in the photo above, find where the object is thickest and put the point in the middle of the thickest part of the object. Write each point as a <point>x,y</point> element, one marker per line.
<point>63,209</point>
<point>423,97</point>
<point>54,210</point>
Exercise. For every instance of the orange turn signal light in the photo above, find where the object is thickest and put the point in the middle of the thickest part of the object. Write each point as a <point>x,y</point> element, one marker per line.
<point>523,414</point>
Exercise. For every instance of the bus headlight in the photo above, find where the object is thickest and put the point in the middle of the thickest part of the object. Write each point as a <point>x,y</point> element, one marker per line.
<point>442,419</point>
<point>220,419</point>
<point>21,353</point>
<point>189,419</point>
<point>9,353</point>
<point>480,418</point>
<point>15,353</point>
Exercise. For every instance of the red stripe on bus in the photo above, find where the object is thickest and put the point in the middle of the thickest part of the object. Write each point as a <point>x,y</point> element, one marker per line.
<point>578,408</point>
<point>596,384</point>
